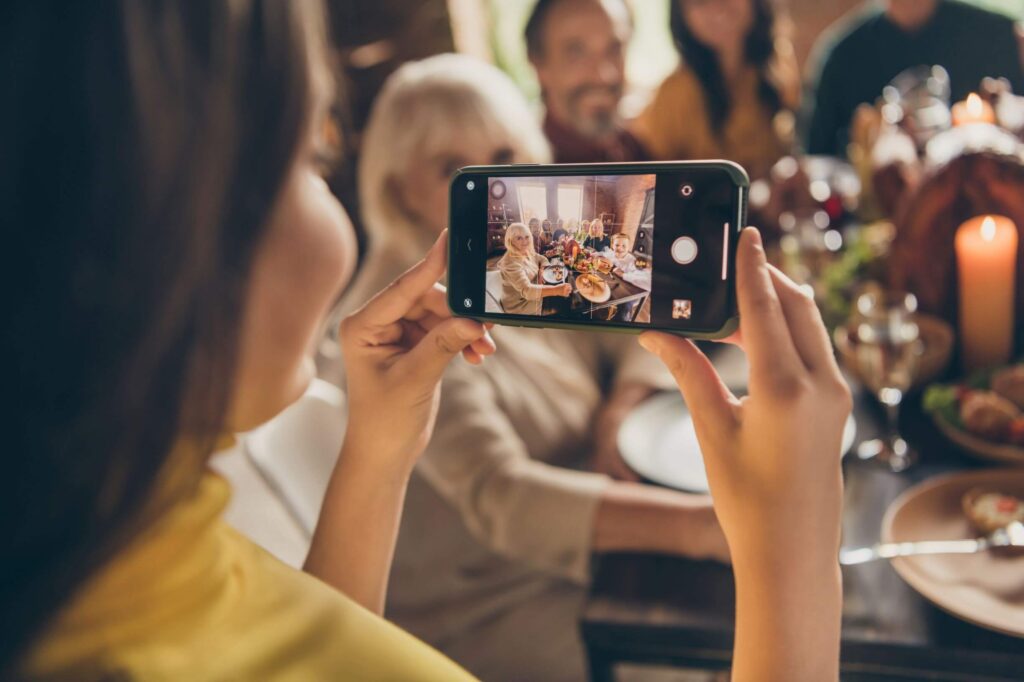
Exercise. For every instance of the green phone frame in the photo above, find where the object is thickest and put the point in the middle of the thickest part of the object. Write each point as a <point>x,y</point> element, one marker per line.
<point>735,171</point>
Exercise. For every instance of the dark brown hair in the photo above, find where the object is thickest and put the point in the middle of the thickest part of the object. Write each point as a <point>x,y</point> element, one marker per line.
<point>537,21</point>
<point>143,144</point>
<point>759,50</point>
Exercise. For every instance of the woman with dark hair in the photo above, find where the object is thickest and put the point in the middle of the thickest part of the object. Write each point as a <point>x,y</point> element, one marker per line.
<point>735,78</point>
<point>176,253</point>
<point>173,256</point>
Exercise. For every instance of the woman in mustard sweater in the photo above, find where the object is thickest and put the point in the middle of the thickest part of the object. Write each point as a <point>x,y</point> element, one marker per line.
<point>734,92</point>
<point>182,255</point>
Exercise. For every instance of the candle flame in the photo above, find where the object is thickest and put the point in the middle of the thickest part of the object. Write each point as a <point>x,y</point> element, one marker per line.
<point>975,106</point>
<point>988,229</point>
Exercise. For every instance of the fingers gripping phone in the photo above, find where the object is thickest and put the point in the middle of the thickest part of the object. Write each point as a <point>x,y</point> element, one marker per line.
<point>626,247</point>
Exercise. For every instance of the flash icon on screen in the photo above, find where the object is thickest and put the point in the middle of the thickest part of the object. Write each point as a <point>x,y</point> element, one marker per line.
<point>468,303</point>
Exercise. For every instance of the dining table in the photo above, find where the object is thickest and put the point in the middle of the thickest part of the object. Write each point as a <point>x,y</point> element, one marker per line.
<point>657,610</point>
<point>577,306</point>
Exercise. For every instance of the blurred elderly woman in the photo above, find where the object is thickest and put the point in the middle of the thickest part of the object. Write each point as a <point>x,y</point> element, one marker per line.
<point>430,119</point>
<point>502,516</point>
<point>520,271</point>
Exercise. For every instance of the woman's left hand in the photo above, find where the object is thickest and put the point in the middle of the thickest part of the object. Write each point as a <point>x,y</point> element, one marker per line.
<point>396,348</point>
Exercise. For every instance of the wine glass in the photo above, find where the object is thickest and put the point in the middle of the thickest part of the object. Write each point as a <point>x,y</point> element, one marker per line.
<point>886,351</point>
<point>808,246</point>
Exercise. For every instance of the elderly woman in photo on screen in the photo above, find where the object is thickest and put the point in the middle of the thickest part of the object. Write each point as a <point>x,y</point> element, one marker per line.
<point>520,273</point>
<point>518,486</point>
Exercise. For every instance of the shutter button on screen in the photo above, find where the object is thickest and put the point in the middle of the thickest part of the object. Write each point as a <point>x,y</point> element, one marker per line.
<point>684,250</point>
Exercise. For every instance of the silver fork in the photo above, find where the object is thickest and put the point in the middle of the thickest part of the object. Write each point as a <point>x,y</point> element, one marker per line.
<point>1011,535</point>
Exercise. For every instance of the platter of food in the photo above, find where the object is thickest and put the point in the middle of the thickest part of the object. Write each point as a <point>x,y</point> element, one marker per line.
<point>593,288</point>
<point>982,588</point>
<point>582,263</point>
<point>985,415</point>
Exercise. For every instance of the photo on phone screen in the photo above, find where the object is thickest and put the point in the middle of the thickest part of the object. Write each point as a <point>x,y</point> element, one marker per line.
<point>580,263</point>
<point>626,246</point>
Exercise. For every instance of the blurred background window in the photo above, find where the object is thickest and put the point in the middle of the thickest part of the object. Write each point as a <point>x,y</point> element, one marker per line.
<point>570,202</point>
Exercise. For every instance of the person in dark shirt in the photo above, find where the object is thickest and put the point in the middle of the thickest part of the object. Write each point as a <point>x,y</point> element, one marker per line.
<point>577,48</point>
<point>596,238</point>
<point>863,54</point>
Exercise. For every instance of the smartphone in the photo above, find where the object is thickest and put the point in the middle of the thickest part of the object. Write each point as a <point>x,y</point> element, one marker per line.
<point>609,246</point>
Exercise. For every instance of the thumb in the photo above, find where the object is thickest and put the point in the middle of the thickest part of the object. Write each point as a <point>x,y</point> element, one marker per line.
<point>429,358</point>
<point>407,291</point>
<point>708,399</point>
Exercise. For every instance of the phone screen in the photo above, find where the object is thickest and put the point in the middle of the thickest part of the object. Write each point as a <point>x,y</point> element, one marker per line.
<point>635,245</point>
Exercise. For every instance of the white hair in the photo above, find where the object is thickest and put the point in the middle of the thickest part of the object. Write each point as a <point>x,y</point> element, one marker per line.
<point>421,109</point>
<point>510,234</point>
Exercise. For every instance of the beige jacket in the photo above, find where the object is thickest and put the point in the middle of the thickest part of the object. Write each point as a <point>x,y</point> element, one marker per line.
<point>521,293</point>
<point>499,511</point>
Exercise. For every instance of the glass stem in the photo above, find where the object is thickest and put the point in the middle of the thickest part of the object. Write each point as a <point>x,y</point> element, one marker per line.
<point>892,415</point>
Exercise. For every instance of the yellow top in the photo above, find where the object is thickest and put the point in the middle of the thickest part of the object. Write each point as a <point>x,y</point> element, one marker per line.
<point>675,125</point>
<point>191,599</point>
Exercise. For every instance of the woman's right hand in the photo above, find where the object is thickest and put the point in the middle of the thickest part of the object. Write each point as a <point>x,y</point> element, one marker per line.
<point>773,465</point>
<point>561,290</point>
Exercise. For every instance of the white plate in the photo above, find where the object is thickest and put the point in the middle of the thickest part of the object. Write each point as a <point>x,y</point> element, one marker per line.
<point>984,588</point>
<point>657,440</point>
<point>549,274</point>
<point>606,292</point>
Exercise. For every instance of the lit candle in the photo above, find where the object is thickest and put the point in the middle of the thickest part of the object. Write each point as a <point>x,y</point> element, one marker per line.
<point>986,257</point>
<point>973,110</point>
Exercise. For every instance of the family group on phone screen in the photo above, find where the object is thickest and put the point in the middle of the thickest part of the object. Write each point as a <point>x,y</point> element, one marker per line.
<point>579,248</point>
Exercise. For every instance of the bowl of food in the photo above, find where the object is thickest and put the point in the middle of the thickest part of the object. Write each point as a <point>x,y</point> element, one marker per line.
<point>985,415</point>
<point>602,264</point>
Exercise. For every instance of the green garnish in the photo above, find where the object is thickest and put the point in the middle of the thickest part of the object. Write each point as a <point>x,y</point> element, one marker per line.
<point>941,400</point>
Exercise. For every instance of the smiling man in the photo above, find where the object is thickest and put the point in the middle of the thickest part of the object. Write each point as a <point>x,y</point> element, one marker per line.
<point>578,49</point>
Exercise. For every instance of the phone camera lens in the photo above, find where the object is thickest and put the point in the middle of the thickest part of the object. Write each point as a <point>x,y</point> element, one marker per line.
<point>471,185</point>
<point>686,189</point>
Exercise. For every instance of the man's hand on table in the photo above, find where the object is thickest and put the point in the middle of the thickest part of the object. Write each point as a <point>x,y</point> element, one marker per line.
<point>638,517</point>
<point>606,458</point>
